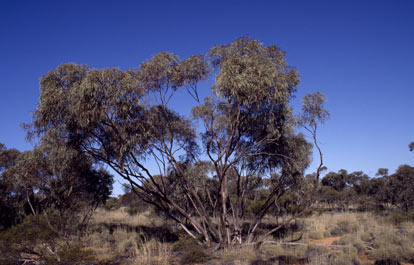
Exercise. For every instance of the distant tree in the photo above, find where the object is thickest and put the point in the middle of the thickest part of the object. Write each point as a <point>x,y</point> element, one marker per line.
<point>342,188</point>
<point>337,181</point>
<point>382,172</point>
<point>57,180</point>
<point>401,187</point>
<point>11,202</point>
<point>246,131</point>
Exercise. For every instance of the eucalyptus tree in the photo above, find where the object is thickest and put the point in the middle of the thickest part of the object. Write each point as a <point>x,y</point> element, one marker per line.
<point>245,129</point>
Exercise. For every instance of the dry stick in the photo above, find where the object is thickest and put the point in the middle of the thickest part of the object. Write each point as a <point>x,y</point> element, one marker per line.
<point>299,244</point>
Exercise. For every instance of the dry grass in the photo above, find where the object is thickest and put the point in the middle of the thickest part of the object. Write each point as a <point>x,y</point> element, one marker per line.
<point>120,216</point>
<point>326,223</point>
<point>364,233</point>
<point>153,253</point>
<point>244,255</point>
<point>130,245</point>
<point>358,236</point>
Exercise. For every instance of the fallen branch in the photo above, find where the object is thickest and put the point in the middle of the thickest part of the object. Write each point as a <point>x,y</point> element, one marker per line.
<point>301,244</point>
<point>30,261</point>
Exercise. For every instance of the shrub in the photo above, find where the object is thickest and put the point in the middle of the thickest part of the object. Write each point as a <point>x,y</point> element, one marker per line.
<point>359,246</point>
<point>191,251</point>
<point>344,259</point>
<point>390,251</point>
<point>126,242</point>
<point>398,218</point>
<point>350,240</point>
<point>183,243</point>
<point>327,233</point>
<point>112,204</point>
<point>344,227</point>
<point>347,257</point>
<point>365,237</point>
<point>194,255</point>
<point>33,228</point>
<point>25,237</point>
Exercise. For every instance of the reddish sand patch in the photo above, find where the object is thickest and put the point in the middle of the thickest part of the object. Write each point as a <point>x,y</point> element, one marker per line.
<point>365,259</point>
<point>326,241</point>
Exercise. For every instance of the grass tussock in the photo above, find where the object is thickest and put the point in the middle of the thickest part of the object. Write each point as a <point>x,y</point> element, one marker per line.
<point>153,253</point>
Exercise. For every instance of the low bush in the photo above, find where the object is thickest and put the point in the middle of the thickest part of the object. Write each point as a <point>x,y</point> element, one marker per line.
<point>344,227</point>
<point>366,237</point>
<point>398,218</point>
<point>351,240</point>
<point>347,257</point>
<point>191,251</point>
<point>33,236</point>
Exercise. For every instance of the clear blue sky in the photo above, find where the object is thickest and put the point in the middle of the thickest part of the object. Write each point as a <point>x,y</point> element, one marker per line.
<point>360,54</point>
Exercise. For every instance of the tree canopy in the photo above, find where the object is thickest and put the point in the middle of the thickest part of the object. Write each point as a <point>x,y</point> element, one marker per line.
<point>243,132</point>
